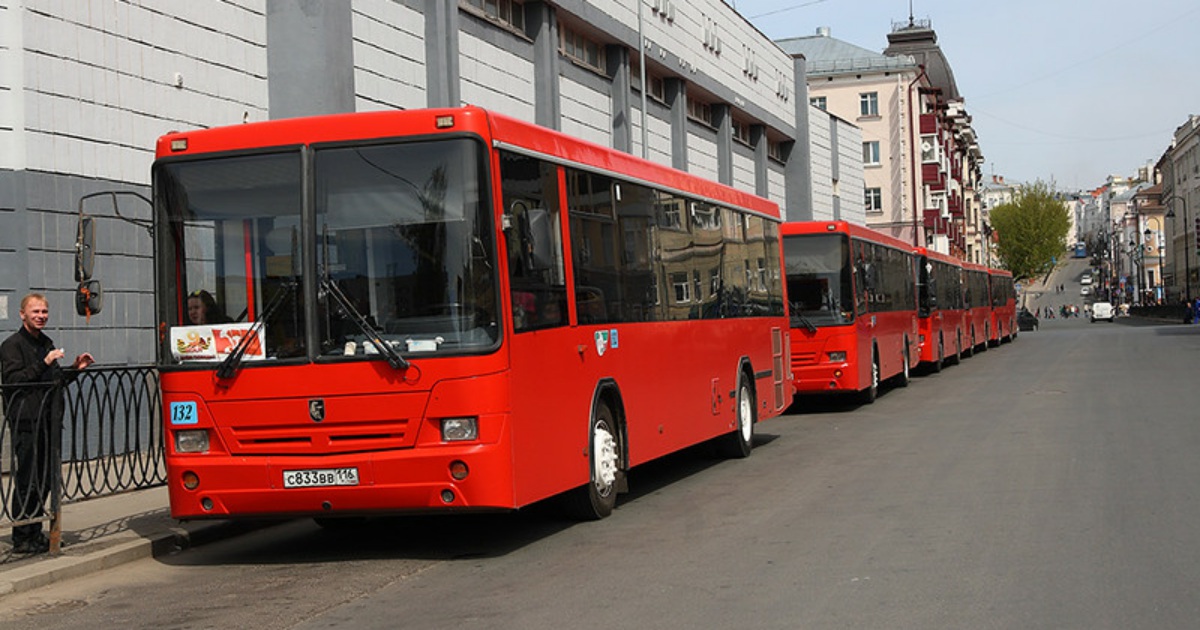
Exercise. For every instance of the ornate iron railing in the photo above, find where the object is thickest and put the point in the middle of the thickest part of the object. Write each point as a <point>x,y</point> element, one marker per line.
<point>110,440</point>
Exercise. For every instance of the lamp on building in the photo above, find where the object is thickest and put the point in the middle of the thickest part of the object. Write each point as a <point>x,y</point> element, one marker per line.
<point>1187,266</point>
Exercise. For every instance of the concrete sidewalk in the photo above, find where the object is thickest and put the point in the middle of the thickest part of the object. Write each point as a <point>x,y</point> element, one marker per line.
<point>106,532</point>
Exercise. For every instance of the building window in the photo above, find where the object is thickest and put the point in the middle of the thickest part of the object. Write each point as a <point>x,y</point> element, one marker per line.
<point>929,150</point>
<point>819,102</point>
<point>581,48</point>
<point>741,131</point>
<point>683,288</point>
<point>871,153</point>
<point>510,13</point>
<point>699,111</point>
<point>868,104</point>
<point>873,198</point>
<point>775,150</point>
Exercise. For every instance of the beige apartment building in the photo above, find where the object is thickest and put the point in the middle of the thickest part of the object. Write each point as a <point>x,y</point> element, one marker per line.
<point>921,161</point>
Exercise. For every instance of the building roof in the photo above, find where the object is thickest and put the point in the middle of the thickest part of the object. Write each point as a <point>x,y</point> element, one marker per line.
<point>829,56</point>
<point>917,40</point>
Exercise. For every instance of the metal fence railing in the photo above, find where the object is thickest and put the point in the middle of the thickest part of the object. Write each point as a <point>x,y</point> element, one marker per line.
<point>98,434</point>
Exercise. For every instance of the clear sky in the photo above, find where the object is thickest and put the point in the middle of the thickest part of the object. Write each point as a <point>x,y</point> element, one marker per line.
<point>1069,91</point>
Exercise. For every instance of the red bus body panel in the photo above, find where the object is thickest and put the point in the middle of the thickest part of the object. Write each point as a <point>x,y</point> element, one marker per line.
<point>979,314</point>
<point>533,396</point>
<point>945,324</point>
<point>894,333</point>
<point>1004,306</point>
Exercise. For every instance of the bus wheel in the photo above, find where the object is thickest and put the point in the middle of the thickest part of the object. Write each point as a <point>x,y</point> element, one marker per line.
<point>905,375</point>
<point>597,499</point>
<point>970,351</point>
<point>868,395</point>
<point>737,444</point>
<point>941,355</point>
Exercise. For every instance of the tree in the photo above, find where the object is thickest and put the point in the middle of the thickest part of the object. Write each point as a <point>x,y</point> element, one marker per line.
<point>1030,230</point>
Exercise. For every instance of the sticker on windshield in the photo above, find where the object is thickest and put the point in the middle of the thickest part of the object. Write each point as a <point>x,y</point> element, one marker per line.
<point>213,342</point>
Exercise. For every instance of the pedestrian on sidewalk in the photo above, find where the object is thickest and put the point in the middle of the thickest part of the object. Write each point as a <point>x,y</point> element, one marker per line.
<point>33,406</point>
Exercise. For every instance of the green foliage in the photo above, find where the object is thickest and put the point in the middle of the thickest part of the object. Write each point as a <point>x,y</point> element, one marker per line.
<point>1030,231</point>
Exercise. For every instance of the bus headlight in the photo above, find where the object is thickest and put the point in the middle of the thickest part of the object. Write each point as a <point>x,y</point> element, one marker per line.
<point>192,441</point>
<point>837,357</point>
<point>459,429</point>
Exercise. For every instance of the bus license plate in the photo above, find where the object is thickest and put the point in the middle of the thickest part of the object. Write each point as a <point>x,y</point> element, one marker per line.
<point>317,478</point>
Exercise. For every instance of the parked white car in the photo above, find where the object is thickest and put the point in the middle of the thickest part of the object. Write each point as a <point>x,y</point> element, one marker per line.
<point>1085,278</point>
<point>1102,310</point>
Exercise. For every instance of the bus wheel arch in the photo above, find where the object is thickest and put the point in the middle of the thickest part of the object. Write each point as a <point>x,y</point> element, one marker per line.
<point>739,442</point>
<point>607,453</point>
<point>868,395</point>
<point>905,374</point>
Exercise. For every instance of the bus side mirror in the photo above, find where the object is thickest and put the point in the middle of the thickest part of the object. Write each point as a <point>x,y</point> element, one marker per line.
<point>89,298</point>
<point>85,249</point>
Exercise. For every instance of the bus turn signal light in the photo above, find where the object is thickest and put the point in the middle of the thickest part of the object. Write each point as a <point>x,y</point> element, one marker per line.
<point>191,480</point>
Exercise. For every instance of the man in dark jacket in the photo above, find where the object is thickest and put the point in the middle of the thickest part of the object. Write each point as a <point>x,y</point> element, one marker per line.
<point>33,405</point>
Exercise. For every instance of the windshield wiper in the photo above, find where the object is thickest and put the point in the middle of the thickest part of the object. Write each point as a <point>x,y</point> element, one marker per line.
<point>230,365</point>
<point>373,336</point>
<point>798,316</point>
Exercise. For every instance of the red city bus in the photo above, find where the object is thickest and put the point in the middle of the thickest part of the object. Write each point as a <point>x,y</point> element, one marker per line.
<point>449,309</point>
<point>1004,306</point>
<point>853,298</point>
<point>977,303</point>
<point>939,307</point>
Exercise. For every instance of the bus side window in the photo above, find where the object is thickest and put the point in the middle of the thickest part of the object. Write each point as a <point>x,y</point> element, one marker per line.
<point>532,229</point>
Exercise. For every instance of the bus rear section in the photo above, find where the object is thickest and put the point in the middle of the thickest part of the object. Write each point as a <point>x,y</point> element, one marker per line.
<point>852,298</point>
<point>448,310</point>
<point>939,308</point>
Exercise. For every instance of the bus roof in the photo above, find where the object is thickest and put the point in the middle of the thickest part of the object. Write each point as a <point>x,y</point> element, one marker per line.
<point>793,228</point>
<point>497,130</point>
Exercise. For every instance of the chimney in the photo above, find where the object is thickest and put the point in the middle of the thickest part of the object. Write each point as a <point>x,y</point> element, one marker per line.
<point>822,31</point>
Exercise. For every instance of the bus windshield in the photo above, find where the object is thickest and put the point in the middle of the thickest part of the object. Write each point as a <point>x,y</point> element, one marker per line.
<point>818,279</point>
<point>404,232</point>
<point>400,253</point>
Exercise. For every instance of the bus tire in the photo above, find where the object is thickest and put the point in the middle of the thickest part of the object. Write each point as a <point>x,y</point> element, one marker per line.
<point>905,373</point>
<point>941,355</point>
<point>970,350</point>
<point>738,443</point>
<point>868,395</point>
<point>597,498</point>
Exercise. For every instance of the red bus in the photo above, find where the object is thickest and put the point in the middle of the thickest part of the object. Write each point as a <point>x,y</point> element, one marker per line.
<point>853,299</point>
<point>939,307</point>
<point>446,310</point>
<point>977,303</point>
<point>1004,306</point>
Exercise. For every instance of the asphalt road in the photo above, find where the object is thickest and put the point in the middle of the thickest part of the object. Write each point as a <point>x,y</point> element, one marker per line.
<point>1047,483</point>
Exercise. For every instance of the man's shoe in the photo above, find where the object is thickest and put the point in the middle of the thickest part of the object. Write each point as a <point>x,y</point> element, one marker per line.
<point>38,544</point>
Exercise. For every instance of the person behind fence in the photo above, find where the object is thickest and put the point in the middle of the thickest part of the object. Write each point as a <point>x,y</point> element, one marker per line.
<point>33,405</point>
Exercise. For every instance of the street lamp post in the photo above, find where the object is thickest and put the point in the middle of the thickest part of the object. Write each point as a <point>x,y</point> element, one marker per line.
<point>1187,267</point>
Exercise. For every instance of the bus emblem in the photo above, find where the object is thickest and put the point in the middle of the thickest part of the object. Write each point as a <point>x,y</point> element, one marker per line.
<point>316,409</point>
<point>601,341</point>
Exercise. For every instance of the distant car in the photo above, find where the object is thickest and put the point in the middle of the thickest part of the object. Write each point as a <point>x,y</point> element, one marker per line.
<point>1085,290</point>
<point>1085,278</point>
<point>1026,320</point>
<point>1102,310</point>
